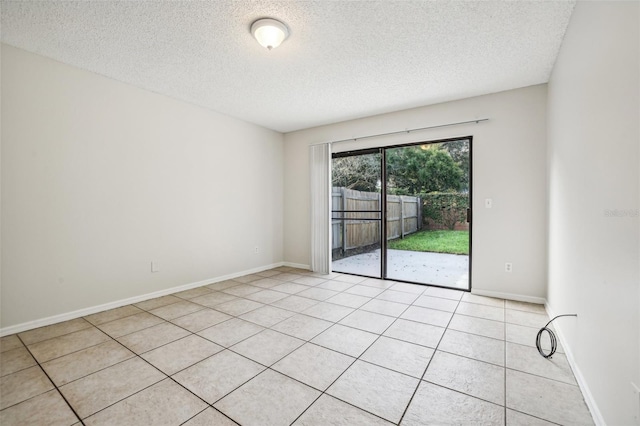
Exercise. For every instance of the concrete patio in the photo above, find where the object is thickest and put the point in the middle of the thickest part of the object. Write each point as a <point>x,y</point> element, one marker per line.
<point>449,270</point>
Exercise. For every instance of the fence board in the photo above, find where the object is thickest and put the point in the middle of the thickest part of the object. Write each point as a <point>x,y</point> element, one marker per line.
<point>352,230</point>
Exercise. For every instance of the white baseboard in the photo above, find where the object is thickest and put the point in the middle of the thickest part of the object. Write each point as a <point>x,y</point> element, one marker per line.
<point>582,383</point>
<point>509,296</point>
<point>297,265</point>
<point>18,328</point>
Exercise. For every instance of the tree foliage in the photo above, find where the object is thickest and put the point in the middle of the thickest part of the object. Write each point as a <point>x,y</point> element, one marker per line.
<point>419,169</point>
<point>360,172</point>
<point>459,151</point>
<point>422,169</point>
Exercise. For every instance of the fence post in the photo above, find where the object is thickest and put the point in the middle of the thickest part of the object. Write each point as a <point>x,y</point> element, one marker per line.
<point>419,208</point>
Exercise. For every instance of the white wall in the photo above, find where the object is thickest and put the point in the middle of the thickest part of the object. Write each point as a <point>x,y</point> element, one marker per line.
<point>509,166</point>
<point>593,139</point>
<point>100,178</point>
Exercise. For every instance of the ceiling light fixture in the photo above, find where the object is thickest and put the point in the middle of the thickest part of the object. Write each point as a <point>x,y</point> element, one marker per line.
<point>269,32</point>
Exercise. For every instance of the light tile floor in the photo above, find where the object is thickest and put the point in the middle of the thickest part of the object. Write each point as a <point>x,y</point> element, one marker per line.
<point>286,346</point>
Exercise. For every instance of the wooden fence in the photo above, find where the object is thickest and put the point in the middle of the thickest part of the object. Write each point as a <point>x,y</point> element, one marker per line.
<point>353,230</point>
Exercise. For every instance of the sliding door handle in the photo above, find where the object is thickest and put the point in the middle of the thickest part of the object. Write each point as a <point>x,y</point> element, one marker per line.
<point>468,215</point>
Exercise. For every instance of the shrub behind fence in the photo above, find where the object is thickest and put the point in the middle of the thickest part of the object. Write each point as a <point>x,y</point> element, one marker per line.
<point>446,210</point>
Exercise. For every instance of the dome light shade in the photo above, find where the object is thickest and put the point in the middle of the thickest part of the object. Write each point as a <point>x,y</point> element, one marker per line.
<point>269,32</point>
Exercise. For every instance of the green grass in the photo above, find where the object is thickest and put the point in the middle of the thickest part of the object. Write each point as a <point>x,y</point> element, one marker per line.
<point>455,242</point>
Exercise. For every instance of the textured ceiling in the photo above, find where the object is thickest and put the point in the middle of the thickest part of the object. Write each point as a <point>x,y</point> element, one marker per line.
<point>343,60</point>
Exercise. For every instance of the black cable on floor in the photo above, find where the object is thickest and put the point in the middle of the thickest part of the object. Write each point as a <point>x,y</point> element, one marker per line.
<point>552,337</point>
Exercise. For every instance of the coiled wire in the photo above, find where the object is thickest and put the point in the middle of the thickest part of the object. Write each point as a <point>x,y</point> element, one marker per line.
<point>552,337</point>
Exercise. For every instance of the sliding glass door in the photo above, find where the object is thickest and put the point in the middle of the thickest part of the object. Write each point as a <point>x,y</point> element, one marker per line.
<point>424,192</point>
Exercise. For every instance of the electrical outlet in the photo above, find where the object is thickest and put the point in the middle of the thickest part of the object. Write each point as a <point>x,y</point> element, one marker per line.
<point>155,266</point>
<point>488,203</point>
<point>508,267</point>
<point>256,250</point>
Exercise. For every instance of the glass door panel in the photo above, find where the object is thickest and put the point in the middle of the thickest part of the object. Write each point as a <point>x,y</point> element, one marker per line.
<point>356,224</point>
<point>428,197</point>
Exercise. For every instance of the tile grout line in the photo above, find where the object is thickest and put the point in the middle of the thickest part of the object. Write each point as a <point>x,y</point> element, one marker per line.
<point>70,353</point>
<point>536,417</point>
<point>309,341</point>
<point>543,377</point>
<point>122,399</point>
<point>305,341</point>
<point>435,350</point>
<point>354,361</point>
<point>322,392</point>
<point>379,336</point>
<point>208,307</point>
<point>196,415</point>
<point>294,313</point>
<point>52,382</point>
<point>120,362</point>
<point>229,348</point>
<point>54,337</point>
<point>188,390</point>
<point>97,344</point>
<point>152,384</point>
<point>269,367</point>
